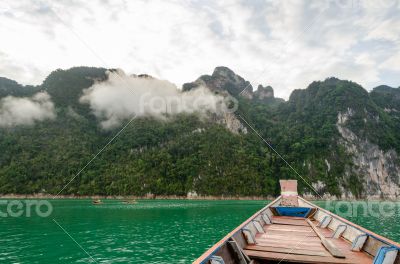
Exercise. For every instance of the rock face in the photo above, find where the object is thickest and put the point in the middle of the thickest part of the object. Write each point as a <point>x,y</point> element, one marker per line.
<point>225,82</point>
<point>222,81</point>
<point>388,98</point>
<point>233,123</point>
<point>378,169</point>
<point>264,92</point>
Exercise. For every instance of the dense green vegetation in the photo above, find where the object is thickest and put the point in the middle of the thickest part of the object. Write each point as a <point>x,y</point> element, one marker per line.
<point>187,154</point>
<point>10,87</point>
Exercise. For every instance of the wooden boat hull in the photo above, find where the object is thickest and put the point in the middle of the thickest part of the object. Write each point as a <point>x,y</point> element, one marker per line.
<point>97,202</point>
<point>293,230</point>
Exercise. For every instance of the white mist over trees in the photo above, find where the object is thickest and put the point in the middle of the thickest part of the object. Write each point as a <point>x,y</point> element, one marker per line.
<point>25,110</point>
<point>121,97</point>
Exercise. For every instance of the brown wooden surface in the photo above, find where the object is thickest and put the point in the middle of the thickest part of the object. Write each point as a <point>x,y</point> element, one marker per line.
<point>308,252</point>
<point>296,230</point>
<point>300,258</point>
<point>233,232</point>
<point>293,236</point>
<point>283,220</point>
<point>372,245</point>
<point>290,217</point>
<point>397,261</point>
<point>328,244</point>
<point>296,241</point>
<point>345,221</point>
<point>292,244</point>
<point>288,227</point>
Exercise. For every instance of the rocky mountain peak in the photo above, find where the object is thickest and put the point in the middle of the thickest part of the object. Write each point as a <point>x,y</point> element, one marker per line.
<point>264,92</point>
<point>332,81</point>
<point>388,98</point>
<point>224,81</point>
<point>143,76</point>
<point>385,89</point>
<point>228,74</point>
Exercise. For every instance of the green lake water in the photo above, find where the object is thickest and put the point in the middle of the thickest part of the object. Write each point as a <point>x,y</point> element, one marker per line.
<point>152,231</point>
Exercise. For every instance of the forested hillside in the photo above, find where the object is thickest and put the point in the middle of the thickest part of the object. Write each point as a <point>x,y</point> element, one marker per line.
<point>342,139</point>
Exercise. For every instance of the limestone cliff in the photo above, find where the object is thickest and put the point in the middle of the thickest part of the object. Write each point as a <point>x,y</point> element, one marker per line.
<point>379,169</point>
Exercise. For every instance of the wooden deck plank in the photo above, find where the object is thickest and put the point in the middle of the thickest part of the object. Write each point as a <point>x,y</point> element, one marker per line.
<point>288,238</point>
<point>294,218</point>
<point>296,246</point>
<point>300,258</point>
<point>289,233</point>
<point>325,231</point>
<point>308,252</point>
<point>288,228</point>
<point>289,243</point>
<point>301,243</point>
<point>328,244</point>
<point>309,240</point>
<point>289,217</point>
<point>287,221</point>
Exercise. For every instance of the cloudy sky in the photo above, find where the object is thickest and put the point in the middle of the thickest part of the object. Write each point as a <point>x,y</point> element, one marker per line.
<point>286,44</point>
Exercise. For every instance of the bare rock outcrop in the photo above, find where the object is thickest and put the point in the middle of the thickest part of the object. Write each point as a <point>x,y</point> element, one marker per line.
<point>379,169</point>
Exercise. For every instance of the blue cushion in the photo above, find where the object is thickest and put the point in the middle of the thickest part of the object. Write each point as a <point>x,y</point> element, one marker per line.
<point>293,211</point>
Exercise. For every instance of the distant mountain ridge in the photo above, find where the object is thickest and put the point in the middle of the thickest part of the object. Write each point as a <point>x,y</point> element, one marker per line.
<point>224,80</point>
<point>343,139</point>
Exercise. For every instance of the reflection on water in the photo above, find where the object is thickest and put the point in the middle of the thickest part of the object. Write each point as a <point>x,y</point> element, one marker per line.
<point>168,231</point>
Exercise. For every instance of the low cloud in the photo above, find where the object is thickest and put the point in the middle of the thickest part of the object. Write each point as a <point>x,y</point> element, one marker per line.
<point>16,111</point>
<point>121,97</point>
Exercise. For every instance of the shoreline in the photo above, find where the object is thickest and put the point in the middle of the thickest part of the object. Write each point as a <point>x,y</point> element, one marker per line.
<point>122,197</point>
<point>177,197</point>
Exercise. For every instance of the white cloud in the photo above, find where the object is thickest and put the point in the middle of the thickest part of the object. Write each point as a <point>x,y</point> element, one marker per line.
<point>286,44</point>
<point>384,30</point>
<point>123,97</point>
<point>18,71</point>
<point>16,111</point>
<point>392,63</point>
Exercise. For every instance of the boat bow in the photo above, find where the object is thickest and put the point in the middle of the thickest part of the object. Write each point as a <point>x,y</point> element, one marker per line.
<point>292,229</point>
